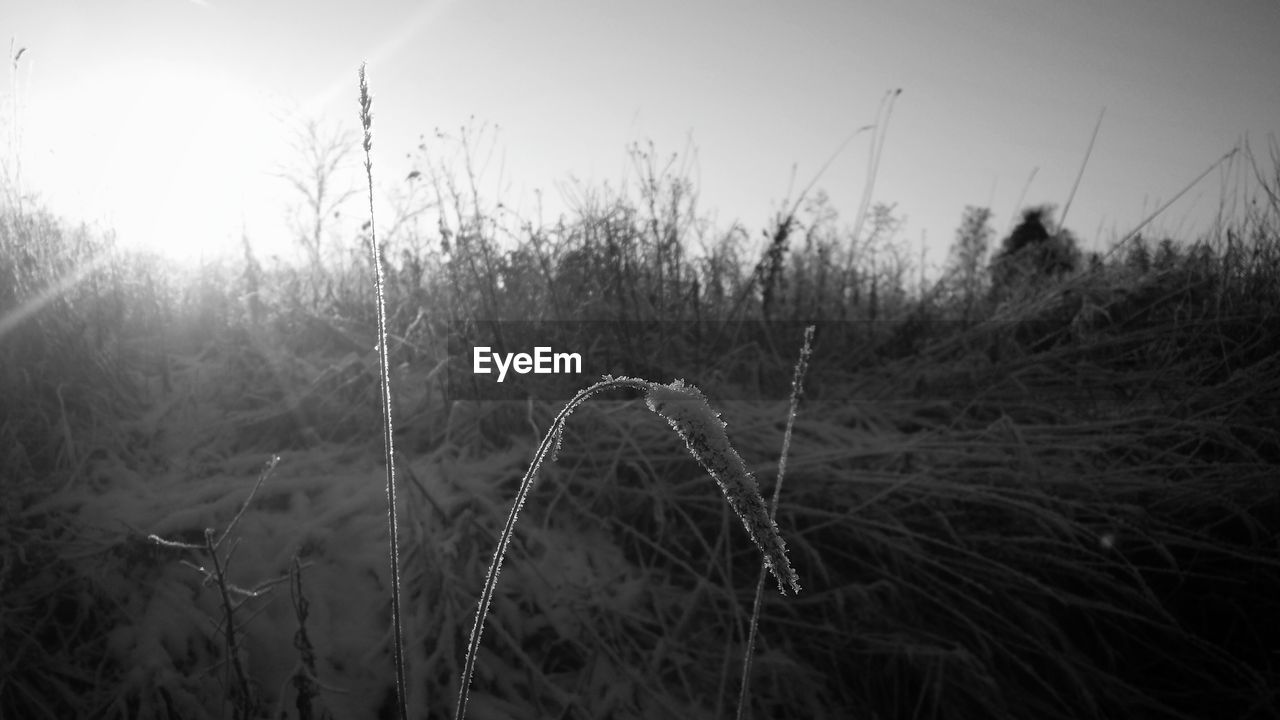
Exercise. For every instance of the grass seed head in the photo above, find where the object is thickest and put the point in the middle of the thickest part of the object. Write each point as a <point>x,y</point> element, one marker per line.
<point>686,409</point>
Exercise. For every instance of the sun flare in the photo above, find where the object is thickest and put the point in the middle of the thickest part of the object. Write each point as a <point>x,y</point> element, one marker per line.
<point>174,158</point>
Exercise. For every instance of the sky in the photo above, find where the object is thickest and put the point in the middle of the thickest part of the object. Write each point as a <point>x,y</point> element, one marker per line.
<point>170,120</point>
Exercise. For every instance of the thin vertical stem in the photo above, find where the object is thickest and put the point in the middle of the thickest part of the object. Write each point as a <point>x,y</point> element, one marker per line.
<point>797,389</point>
<point>384,371</point>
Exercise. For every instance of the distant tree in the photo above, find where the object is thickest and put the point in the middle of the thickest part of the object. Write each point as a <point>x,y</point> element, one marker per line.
<point>319,173</point>
<point>1032,252</point>
<point>968,255</point>
<point>865,272</point>
<point>1138,257</point>
<point>1166,255</point>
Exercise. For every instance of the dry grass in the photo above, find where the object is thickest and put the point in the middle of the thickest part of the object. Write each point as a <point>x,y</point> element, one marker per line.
<point>1067,510</point>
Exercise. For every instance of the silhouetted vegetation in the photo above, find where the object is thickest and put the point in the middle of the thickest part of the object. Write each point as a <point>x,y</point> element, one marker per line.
<point>1032,253</point>
<point>1028,489</point>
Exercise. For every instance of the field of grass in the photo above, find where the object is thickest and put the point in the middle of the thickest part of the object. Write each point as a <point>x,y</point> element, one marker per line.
<point>1054,498</point>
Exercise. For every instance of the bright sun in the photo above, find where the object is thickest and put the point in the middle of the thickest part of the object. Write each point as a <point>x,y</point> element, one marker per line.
<point>175,158</point>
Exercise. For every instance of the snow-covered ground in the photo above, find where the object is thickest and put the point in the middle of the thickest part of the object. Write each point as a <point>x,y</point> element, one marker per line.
<point>326,506</point>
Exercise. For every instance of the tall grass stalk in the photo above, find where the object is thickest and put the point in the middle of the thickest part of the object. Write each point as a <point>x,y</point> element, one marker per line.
<point>384,370</point>
<point>873,161</point>
<point>1177,196</point>
<point>1062,220</point>
<point>797,385</point>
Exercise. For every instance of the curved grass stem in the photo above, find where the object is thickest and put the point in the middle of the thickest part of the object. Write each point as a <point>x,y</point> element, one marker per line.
<point>550,441</point>
<point>687,411</point>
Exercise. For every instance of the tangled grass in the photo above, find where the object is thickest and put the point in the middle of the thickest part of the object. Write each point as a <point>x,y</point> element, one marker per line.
<point>1065,510</point>
<point>683,406</point>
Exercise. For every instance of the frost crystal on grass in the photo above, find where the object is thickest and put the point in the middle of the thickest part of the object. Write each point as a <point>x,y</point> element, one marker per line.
<point>686,409</point>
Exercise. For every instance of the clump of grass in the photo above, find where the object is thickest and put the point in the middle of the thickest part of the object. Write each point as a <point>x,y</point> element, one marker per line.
<point>689,414</point>
<point>683,406</point>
